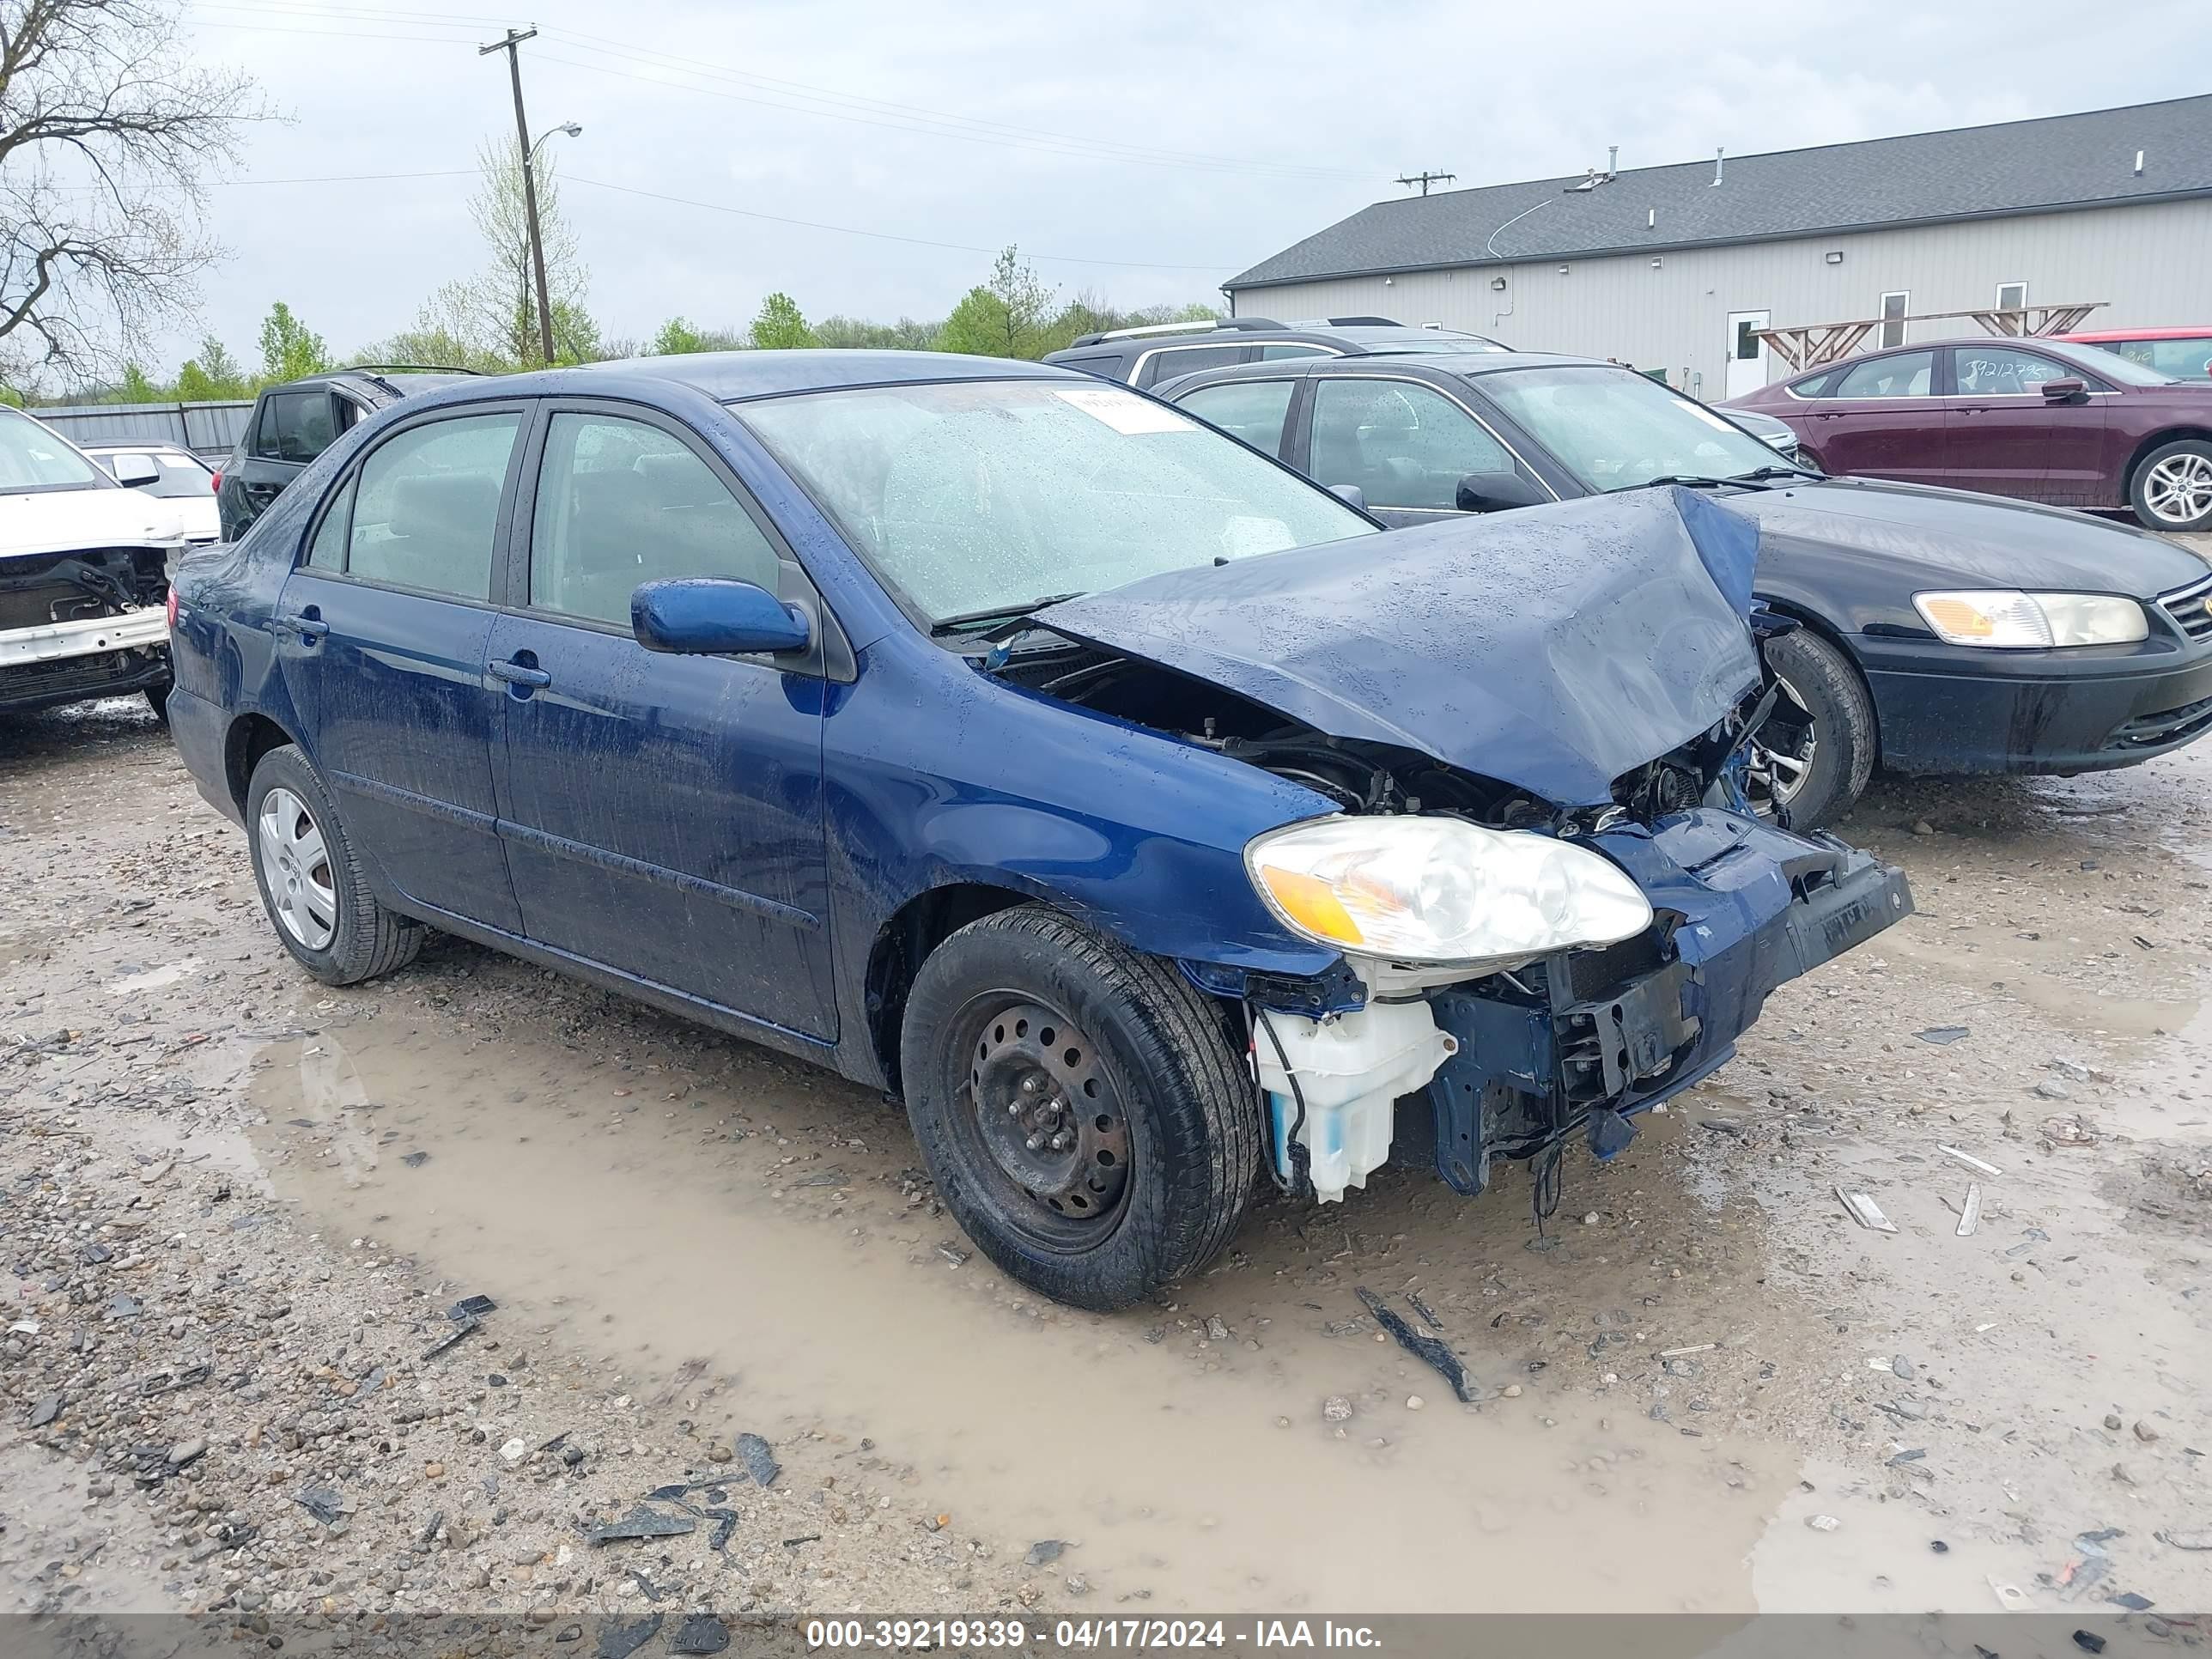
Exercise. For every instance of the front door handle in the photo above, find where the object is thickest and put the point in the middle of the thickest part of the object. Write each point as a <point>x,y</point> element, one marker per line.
<point>518,673</point>
<point>308,624</point>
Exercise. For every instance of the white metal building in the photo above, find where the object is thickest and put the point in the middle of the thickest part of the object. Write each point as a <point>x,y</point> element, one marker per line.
<point>1673,267</point>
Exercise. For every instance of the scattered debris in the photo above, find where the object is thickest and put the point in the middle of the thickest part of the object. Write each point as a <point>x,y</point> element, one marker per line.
<point>641,1522</point>
<point>1336,1409</point>
<point>700,1633</point>
<point>325,1504</point>
<point>1427,1313</point>
<point>1970,1214</point>
<point>1866,1211</point>
<point>471,1307</point>
<point>463,1328</point>
<point>1942,1036</point>
<point>2131,1601</point>
<point>1969,1161</point>
<point>2184,1540</point>
<point>515,1450</point>
<point>2088,1641</point>
<point>620,1641</point>
<point>760,1462</point>
<point>46,1411</point>
<point>2068,1131</point>
<point>1431,1349</point>
<point>1044,1553</point>
<point>1822,1523</point>
<point>2010,1597</point>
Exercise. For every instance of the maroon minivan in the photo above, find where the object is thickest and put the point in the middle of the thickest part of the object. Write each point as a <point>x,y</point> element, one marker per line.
<point>2037,419</point>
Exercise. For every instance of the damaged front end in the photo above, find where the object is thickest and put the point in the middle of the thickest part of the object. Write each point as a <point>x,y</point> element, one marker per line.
<point>87,623</point>
<point>1554,907</point>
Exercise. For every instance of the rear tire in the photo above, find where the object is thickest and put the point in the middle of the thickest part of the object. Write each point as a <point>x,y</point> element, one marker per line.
<point>313,883</point>
<point>1024,1027</point>
<point>2172,487</point>
<point>1833,711</point>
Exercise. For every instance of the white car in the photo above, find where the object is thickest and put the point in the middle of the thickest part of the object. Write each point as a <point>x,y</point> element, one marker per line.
<point>84,565</point>
<point>181,478</point>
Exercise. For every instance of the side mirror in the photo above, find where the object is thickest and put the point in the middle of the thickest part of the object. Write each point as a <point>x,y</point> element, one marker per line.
<point>136,472</point>
<point>2065,390</point>
<point>708,616</point>
<point>1350,494</point>
<point>1494,492</point>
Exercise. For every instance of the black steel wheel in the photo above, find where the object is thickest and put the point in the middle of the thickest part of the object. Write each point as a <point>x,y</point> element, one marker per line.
<point>1082,1109</point>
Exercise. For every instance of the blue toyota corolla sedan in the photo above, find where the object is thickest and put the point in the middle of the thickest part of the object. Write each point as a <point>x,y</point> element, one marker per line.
<point>1117,797</point>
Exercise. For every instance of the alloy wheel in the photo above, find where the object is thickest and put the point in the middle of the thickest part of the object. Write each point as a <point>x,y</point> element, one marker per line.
<point>1782,752</point>
<point>2178,489</point>
<point>295,866</point>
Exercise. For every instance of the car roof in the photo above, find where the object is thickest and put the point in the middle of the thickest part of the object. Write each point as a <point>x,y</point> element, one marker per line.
<point>2092,336</point>
<point>134,446</point>
<point>734,376</point>
<point>1466,364</point>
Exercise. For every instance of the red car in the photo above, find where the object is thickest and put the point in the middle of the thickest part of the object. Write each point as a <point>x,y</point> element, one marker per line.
<point>2040,420</point>
<point>2182,354</point>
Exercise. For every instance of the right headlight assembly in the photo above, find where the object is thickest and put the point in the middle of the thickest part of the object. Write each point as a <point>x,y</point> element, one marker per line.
<point>2007,619</point>
<point>1441,891</point>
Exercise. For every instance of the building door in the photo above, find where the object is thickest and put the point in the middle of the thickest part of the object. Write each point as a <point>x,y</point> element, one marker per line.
<point>1747,359</point>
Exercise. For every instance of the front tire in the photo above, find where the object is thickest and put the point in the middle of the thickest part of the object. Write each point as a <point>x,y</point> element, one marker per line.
<point>1081,1108</point>
<point>311,881</point>
<point>1814,754</point>
<point>2172,489</point>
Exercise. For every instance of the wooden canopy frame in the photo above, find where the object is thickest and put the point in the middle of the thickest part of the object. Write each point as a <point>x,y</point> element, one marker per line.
<point>1811,344</point>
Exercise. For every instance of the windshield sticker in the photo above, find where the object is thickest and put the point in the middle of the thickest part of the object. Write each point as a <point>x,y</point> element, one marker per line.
<point>1124,411</point>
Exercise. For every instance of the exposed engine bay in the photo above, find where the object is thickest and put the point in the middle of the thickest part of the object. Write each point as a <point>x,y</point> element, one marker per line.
<point>52,648</point>
<point>1432,1066</point>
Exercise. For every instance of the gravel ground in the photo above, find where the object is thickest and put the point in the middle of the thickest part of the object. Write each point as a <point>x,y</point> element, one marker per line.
<point>237,1211</point>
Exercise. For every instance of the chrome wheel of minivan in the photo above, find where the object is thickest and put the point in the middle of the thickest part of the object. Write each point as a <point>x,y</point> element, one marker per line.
<point>296,862</point>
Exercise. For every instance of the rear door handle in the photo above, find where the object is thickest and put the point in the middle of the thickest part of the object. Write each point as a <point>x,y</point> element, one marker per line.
<point>516,673</point>
<point>307,625</point>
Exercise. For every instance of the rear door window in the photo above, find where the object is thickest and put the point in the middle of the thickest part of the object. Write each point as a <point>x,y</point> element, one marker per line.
<point>295,426</point>
<point>1165,365</point>
<point>426,513</point>
<point>1250,409</point>
<point>1905,375</point>
<point>1403,444</point>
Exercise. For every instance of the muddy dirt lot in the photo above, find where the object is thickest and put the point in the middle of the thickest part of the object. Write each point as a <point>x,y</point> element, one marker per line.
<point>237,1210</point>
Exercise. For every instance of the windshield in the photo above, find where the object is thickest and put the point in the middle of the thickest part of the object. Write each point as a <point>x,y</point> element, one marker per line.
<point>991,494</point>
<point>31,458</point>
<point>1615,430</point>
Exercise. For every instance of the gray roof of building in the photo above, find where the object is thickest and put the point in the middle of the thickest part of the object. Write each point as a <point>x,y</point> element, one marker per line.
<point>2015,167</point>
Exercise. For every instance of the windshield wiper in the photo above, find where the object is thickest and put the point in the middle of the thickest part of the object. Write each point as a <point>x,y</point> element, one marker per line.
<point>1760,477</point>
<point>996,614</point>
<point>1781,471</point>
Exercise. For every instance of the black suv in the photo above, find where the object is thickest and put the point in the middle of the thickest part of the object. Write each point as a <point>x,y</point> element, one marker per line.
<point>296,421</point>
<point>1146,356</point>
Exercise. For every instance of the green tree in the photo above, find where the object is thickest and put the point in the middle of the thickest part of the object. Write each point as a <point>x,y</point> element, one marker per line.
<point>779,326</point>
<point>136,388</point>
<point>495,311</point>
<point>858,334</point>
<point>1009,316</point>
<point>289,348</point>
<point>211,375</point>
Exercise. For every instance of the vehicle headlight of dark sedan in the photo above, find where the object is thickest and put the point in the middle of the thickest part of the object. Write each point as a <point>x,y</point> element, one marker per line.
<point>2007,618</point>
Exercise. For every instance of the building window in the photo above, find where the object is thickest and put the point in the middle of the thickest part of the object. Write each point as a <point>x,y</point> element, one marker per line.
<point>1894,307</point>
<point>2013,296</point>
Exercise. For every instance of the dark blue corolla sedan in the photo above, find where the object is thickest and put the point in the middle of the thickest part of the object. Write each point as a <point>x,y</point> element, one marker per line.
<point>1117,798</point>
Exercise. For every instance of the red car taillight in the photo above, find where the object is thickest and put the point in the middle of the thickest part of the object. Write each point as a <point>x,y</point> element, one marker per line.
<point>173,610</point>
<point>215,483</point>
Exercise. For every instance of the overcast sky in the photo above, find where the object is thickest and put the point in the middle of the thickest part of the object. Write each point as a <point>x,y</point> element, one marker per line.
<point>1144,150</point>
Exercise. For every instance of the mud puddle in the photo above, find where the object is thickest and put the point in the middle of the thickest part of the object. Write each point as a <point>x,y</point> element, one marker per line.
<point>715,1214</point>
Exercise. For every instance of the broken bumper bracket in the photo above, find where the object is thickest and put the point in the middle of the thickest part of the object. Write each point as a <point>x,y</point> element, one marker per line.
<point>1753,907</point>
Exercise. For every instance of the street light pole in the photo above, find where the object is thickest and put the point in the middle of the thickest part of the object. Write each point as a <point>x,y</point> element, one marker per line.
<point>515,37</point>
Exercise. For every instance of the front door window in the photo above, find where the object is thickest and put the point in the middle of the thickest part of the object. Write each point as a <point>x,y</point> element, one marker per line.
<point>1403,444</point>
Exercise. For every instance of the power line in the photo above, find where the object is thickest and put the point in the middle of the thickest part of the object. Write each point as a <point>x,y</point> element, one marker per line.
<point>1424,179</point>
<point>881,235</point>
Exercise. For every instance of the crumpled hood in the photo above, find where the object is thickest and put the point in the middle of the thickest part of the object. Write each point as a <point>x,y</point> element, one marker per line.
<point>1552,651</point>
<point>74,520</point>
<point>1930,537</point>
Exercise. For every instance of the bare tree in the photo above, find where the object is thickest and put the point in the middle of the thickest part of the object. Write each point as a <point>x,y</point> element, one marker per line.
<point>107,133</point>
<point>495,312</point>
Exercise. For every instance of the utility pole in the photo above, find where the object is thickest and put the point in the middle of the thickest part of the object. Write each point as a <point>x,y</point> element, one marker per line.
<point>1424,179</point>
<point>515,37</point>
